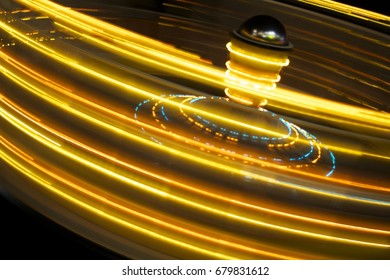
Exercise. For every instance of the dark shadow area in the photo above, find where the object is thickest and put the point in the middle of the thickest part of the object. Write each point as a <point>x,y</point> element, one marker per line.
<point>27,235</point>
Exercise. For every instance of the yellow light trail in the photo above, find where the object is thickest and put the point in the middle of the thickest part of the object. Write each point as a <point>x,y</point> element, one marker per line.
<point>128,210</point>
<point>266,179</point>
<point>149,181</point>
<point>158,192</point>
<point>195,189</point>
<point>61,150</point>
<point>285,99</point>
<point>36,134</point>
<point>351,11</point>
<point>329,105</point>
<point>189,156</point>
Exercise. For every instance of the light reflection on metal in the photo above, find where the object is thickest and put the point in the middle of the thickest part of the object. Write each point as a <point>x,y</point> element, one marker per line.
<point>258,51</point>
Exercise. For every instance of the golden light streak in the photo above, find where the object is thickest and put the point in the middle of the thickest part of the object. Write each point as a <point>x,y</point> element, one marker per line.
<point>159,177</point>
<point>256,59</point>
<point>147,219</point>
<point>202,112</point>
<point>110,173</point>
<point>377,122</point>
<point>204,200</point>
<point>351,11</point>
<point>158,192</point>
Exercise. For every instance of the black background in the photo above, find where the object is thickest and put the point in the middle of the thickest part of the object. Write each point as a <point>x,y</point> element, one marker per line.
<point>26,234</point>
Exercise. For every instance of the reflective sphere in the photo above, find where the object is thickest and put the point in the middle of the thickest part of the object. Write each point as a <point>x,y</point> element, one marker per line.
<point>264,29</point>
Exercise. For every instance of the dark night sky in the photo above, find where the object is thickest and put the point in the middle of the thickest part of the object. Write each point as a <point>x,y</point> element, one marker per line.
<point>28,235</point>
<point>372,5</point>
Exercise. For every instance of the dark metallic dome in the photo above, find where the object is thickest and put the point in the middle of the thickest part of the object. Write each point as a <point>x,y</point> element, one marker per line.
<point>264,29</point>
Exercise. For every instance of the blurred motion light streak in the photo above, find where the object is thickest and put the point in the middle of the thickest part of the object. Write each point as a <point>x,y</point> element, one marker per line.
<point>174,203</point>
<point>285,99</point>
